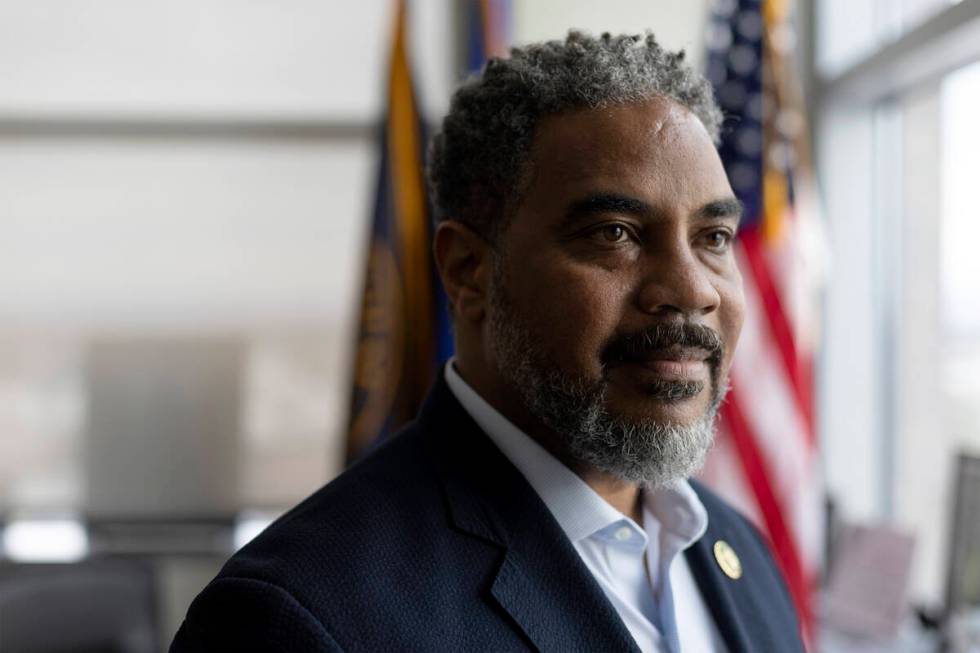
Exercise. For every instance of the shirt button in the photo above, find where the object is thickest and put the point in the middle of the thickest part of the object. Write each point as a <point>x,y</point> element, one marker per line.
<point>623,533</point>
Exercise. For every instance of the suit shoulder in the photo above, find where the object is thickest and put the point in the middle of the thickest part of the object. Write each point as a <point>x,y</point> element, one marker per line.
<point>366,513</point>
<point>244,614</point>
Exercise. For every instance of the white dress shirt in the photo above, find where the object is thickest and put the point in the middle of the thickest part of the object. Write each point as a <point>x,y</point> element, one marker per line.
<point>650,587</point>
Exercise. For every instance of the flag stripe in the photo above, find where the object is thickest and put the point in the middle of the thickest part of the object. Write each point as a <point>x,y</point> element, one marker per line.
<point>405,143</point>
<point>494,15</point>
<point>754,467</point>
<point>723,471</point>
<point>769,418</point>
<point>779,430</point>
<point>779,326</point>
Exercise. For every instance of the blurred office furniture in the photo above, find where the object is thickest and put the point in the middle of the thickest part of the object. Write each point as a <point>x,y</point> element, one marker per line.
<point>911,638</point>
<point>162,458</point>
<point>963,584</point>
<point>850,628</point>
<point>104,606</point>
<point>867,595</point>
<point>832,525</point>
<point>150,536</point>
<point>163,428</point>
<point>962,609</point>
<point>865,607</point>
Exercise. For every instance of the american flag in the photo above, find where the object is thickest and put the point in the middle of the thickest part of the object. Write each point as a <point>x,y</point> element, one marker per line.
<point>489,26</point>
<point>766,459</point>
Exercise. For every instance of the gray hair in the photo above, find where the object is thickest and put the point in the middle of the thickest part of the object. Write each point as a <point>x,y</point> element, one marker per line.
<point>478,160</point>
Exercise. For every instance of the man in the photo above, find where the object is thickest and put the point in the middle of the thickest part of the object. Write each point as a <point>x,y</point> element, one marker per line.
<point>540,501</point>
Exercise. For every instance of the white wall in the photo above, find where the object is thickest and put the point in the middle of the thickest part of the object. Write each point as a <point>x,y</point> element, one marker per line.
<point>677,24</point>
<point>143,231</point>
<point>288,58</point>
<point>167,233</point>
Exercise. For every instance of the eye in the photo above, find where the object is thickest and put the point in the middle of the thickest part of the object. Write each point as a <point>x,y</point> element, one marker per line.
<point>613,233</point>
<point>719,240</point>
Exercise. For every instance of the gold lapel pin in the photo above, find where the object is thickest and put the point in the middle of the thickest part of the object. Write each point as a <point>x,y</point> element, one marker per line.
<point>728,560</point>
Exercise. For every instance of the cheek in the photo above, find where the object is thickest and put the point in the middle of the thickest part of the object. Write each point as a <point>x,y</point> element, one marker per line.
<point>574,309</point>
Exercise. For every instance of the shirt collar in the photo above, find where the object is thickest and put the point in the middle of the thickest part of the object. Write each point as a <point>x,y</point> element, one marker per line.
<point>679,511</point>
<point>577,508</point>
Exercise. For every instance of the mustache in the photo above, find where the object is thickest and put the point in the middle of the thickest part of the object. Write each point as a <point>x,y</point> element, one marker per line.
<point>639,345</point>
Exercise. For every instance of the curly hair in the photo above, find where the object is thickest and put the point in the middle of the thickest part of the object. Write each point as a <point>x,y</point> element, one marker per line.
<point>478,161</point>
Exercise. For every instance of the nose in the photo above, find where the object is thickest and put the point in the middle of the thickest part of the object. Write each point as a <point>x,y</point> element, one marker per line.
<point>676,281</point>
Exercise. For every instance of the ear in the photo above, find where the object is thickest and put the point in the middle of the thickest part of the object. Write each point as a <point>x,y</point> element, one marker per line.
<point>463,259</point>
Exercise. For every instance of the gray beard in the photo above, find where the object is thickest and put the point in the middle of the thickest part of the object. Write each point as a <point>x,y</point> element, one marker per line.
<point>644,451</point>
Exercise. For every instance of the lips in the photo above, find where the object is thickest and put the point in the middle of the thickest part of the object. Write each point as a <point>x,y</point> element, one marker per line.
<point>670,361</point>
<point>676,354</point>
<point>675,363</point>
<point>678,369</point>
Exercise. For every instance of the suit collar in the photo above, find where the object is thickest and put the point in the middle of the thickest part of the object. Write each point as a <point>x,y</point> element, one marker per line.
<point>723,595</point>
<point>541,583</point>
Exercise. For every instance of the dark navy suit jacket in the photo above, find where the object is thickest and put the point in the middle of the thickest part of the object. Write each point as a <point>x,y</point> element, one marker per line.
<point>435,542</point>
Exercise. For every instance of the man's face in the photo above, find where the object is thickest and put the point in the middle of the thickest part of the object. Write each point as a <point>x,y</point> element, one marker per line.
<point>616,301</point>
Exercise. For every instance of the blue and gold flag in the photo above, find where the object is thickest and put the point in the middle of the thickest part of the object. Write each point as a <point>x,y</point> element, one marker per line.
<point>404,328</point>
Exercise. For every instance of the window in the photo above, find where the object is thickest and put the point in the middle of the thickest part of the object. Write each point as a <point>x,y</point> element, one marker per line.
<point>897,150</point>
<point>959,260</point>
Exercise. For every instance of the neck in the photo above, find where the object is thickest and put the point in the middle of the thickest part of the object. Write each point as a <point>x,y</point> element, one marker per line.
<point>622,495</point>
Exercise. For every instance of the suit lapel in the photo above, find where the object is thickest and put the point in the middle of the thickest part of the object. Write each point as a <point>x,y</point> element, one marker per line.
<point>547,589</point>
<point>719,593</point>
<point>541,582</point>
<point>753,612</point>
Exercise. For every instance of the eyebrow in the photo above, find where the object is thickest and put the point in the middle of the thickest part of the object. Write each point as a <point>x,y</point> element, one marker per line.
<point>729,207</point>
<point>604,203</point>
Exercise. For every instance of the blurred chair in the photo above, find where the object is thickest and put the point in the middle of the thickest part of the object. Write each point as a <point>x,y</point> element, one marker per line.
<point>104,606</point>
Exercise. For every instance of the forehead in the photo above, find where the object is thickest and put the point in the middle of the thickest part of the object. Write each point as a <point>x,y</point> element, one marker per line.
<point>656,150</point>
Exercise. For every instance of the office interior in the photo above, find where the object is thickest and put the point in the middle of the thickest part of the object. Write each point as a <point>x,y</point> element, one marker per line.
<point>185,198</point>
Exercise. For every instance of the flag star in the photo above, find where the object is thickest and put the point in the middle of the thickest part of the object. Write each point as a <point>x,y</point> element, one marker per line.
<point>724,8</point>
<point>753,107</point>
<point>719,36</point>
<point>748,141</point>
<point>732,94</point>
<point>743,176</point>
<point>743,59</point>
<point>717,72</point>
<point>749,25</point>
